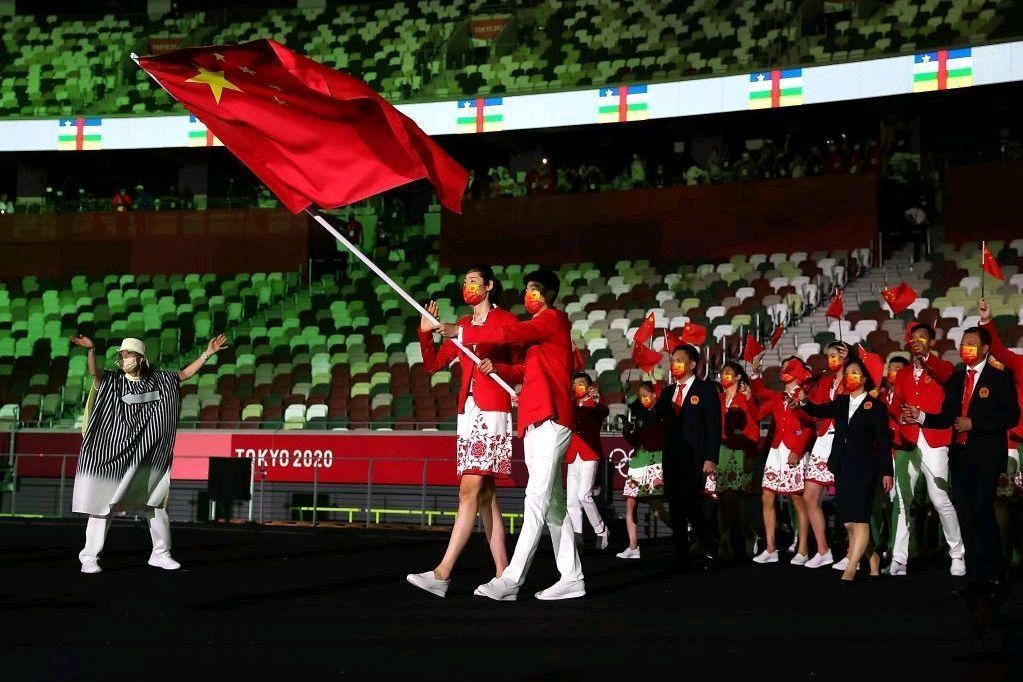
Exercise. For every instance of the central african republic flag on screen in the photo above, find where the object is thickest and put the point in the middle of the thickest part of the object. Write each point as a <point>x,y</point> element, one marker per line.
<point>777,88</point>
<point>943,70</point>
<point>199,135</point>
<point>624,103</point>
<point>481,115</point>
<point>79,133</point>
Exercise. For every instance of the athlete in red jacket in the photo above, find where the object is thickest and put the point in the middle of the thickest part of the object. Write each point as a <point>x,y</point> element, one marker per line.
<point>546,418</point>
<point>583,458</point>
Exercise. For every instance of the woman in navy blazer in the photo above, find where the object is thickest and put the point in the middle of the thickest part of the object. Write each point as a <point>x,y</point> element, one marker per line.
<point>860,455</point>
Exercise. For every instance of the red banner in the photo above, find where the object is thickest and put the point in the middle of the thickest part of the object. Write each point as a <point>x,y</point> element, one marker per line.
<point>487,28</point>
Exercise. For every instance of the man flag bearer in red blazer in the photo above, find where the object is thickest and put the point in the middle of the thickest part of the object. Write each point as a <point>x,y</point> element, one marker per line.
<point>546,418</point>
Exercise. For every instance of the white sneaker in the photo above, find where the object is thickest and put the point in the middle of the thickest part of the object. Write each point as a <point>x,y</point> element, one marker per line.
<point>563,589</point>
<point>819,560</point>
<point>629,553</point>
<point>799,560</point>
<point>164,561</point>
<point>602,540</point>
<point>795,544</point>
<point>841,565</point>
<point>896,568</point>
<point>91,566</point>
<point>766,557</point>
<point>429,582</point>
<point>958,568</point>
<point>498,589</point>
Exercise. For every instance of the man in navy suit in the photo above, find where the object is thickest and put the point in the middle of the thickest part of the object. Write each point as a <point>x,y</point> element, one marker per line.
<point>691,410</point>
<point>980,405</point>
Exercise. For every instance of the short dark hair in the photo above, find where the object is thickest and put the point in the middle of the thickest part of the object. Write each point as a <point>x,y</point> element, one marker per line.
<point>583,375</point>
<point>648,385</point>
<point>931,334</point>
<point>837,345</point>
<point>899,359</point>
<point>547,279</point>
<point>737,370</point>
<point>691,351</point>
<point>868,382</point>
<point>984,334</point>
<point>487,273</point>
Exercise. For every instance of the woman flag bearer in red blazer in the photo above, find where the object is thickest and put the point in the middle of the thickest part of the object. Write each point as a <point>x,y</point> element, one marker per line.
<point>484,441</point>
<point>786,461</point>
<point>546,418</point>
<point>584,455</point>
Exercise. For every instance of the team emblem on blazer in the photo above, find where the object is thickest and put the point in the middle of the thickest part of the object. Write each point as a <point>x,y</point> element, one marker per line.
<point>983,392</point>
<point>867,405</point>
<point>695,400</point>
<point>927,378</point>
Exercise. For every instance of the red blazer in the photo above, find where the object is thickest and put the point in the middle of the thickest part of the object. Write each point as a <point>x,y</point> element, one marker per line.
<point>927,394</point>
<point>489,396</point>
<point>1013,363</point>
<point>792,426</point>
<point>740,427</point>
<point>546,386</point>
<point>589,418</point>
<point>820,394</point>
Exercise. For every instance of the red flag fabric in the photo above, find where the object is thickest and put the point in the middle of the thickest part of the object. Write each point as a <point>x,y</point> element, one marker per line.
<point>671,340</point>
<point>776,336</point>
<point>313,135</point>
<point>753,348</point>
<point>837,308</point>
<point>991,266</point>
<point>578,362</point>
<point>874,363</point>
<point>899,298</point>
<point>645,331</point>
<point>645,358</point>
<point>694,334</point>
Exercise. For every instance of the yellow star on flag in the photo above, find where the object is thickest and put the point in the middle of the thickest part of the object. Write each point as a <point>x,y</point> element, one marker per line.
<point>216,81</point>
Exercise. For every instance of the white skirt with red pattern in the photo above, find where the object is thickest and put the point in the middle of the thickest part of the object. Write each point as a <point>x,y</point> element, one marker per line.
<point>1010,483</point>
<point>816,470</point>
<point>779,477</point>
<point>484,443</point>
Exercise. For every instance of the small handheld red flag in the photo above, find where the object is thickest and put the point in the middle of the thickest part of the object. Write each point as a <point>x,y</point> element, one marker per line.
<point>313,135</point>
<point>990,265</point>
<point>645,331</point>
<point>753,348</point>
<point>694,334</point>
<point>899,298</point>
<point>776,336</point>
<point>837,308</point>
<point>873,362</point>
<point>646,358</point>
<point>578,363</point>
<point>671,340</point>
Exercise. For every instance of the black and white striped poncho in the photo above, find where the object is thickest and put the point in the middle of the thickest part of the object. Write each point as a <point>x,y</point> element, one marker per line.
<point>126,454</point>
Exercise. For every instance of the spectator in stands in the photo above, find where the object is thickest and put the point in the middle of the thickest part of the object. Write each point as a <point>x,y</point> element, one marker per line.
<point>6,205</point>
<point>472,189</point>
<point>746,168</point>
<point>622,181</point>
<point>584,456</point>
<point>353,229</point>
<point>484,438</point>
<point>644,479</point>
<point>981,406</point>
<point>660,179</point>
<point>715,165</point>
<point>637,170</point>
<point>835,159</point>
<point>856,159</point>
<point>923,451</point>
<point>545,425</point>
<point>814,162</point>
<point>130,421</point>
<point>694,175</point>
<point>917,223</point>
<point>143,202</point>
<point>798,168</point>
<point>860,458</point>
<point>691,411</point>
<point>122,201</point>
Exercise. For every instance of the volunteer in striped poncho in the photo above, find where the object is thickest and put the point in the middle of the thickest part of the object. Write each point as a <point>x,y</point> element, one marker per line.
<point>131,422</point>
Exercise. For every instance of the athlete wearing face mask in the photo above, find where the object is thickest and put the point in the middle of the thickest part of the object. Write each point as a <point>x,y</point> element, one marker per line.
<point>585,453</point>
<point>644,477</point>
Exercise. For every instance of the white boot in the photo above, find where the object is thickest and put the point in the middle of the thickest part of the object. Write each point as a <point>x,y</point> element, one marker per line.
<point>96,529</point>
<point>159,530</point>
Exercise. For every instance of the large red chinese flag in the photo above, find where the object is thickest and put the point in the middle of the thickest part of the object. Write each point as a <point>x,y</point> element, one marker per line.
<point>646,358</point>
<point>313,135</point>
<point>899,298</point>
<point>990,265</point>
<point>837,307</point>
<point>645,331</point>
<point>694,334</point>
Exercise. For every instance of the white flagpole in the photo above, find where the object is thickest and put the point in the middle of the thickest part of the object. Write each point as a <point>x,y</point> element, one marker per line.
<point>401,292</point>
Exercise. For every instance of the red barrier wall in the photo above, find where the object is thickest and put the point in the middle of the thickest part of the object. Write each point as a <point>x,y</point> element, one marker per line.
<point>982,201</point>
<point>157,242</point>
<point>675,223</point>
<point>397,458</point>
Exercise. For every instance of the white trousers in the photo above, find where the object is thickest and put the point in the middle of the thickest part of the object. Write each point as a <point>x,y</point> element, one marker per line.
<point>545,448</point>
<point>579,490</point>
<point>933,464</point>
<point>97,527</point>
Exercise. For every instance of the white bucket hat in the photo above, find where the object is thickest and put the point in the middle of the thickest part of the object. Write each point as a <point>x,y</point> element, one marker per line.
<point>134,346</point>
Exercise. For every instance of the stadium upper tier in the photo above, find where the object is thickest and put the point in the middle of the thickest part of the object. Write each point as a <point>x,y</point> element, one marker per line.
<point>51,66</point>
<point>346,355</point>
